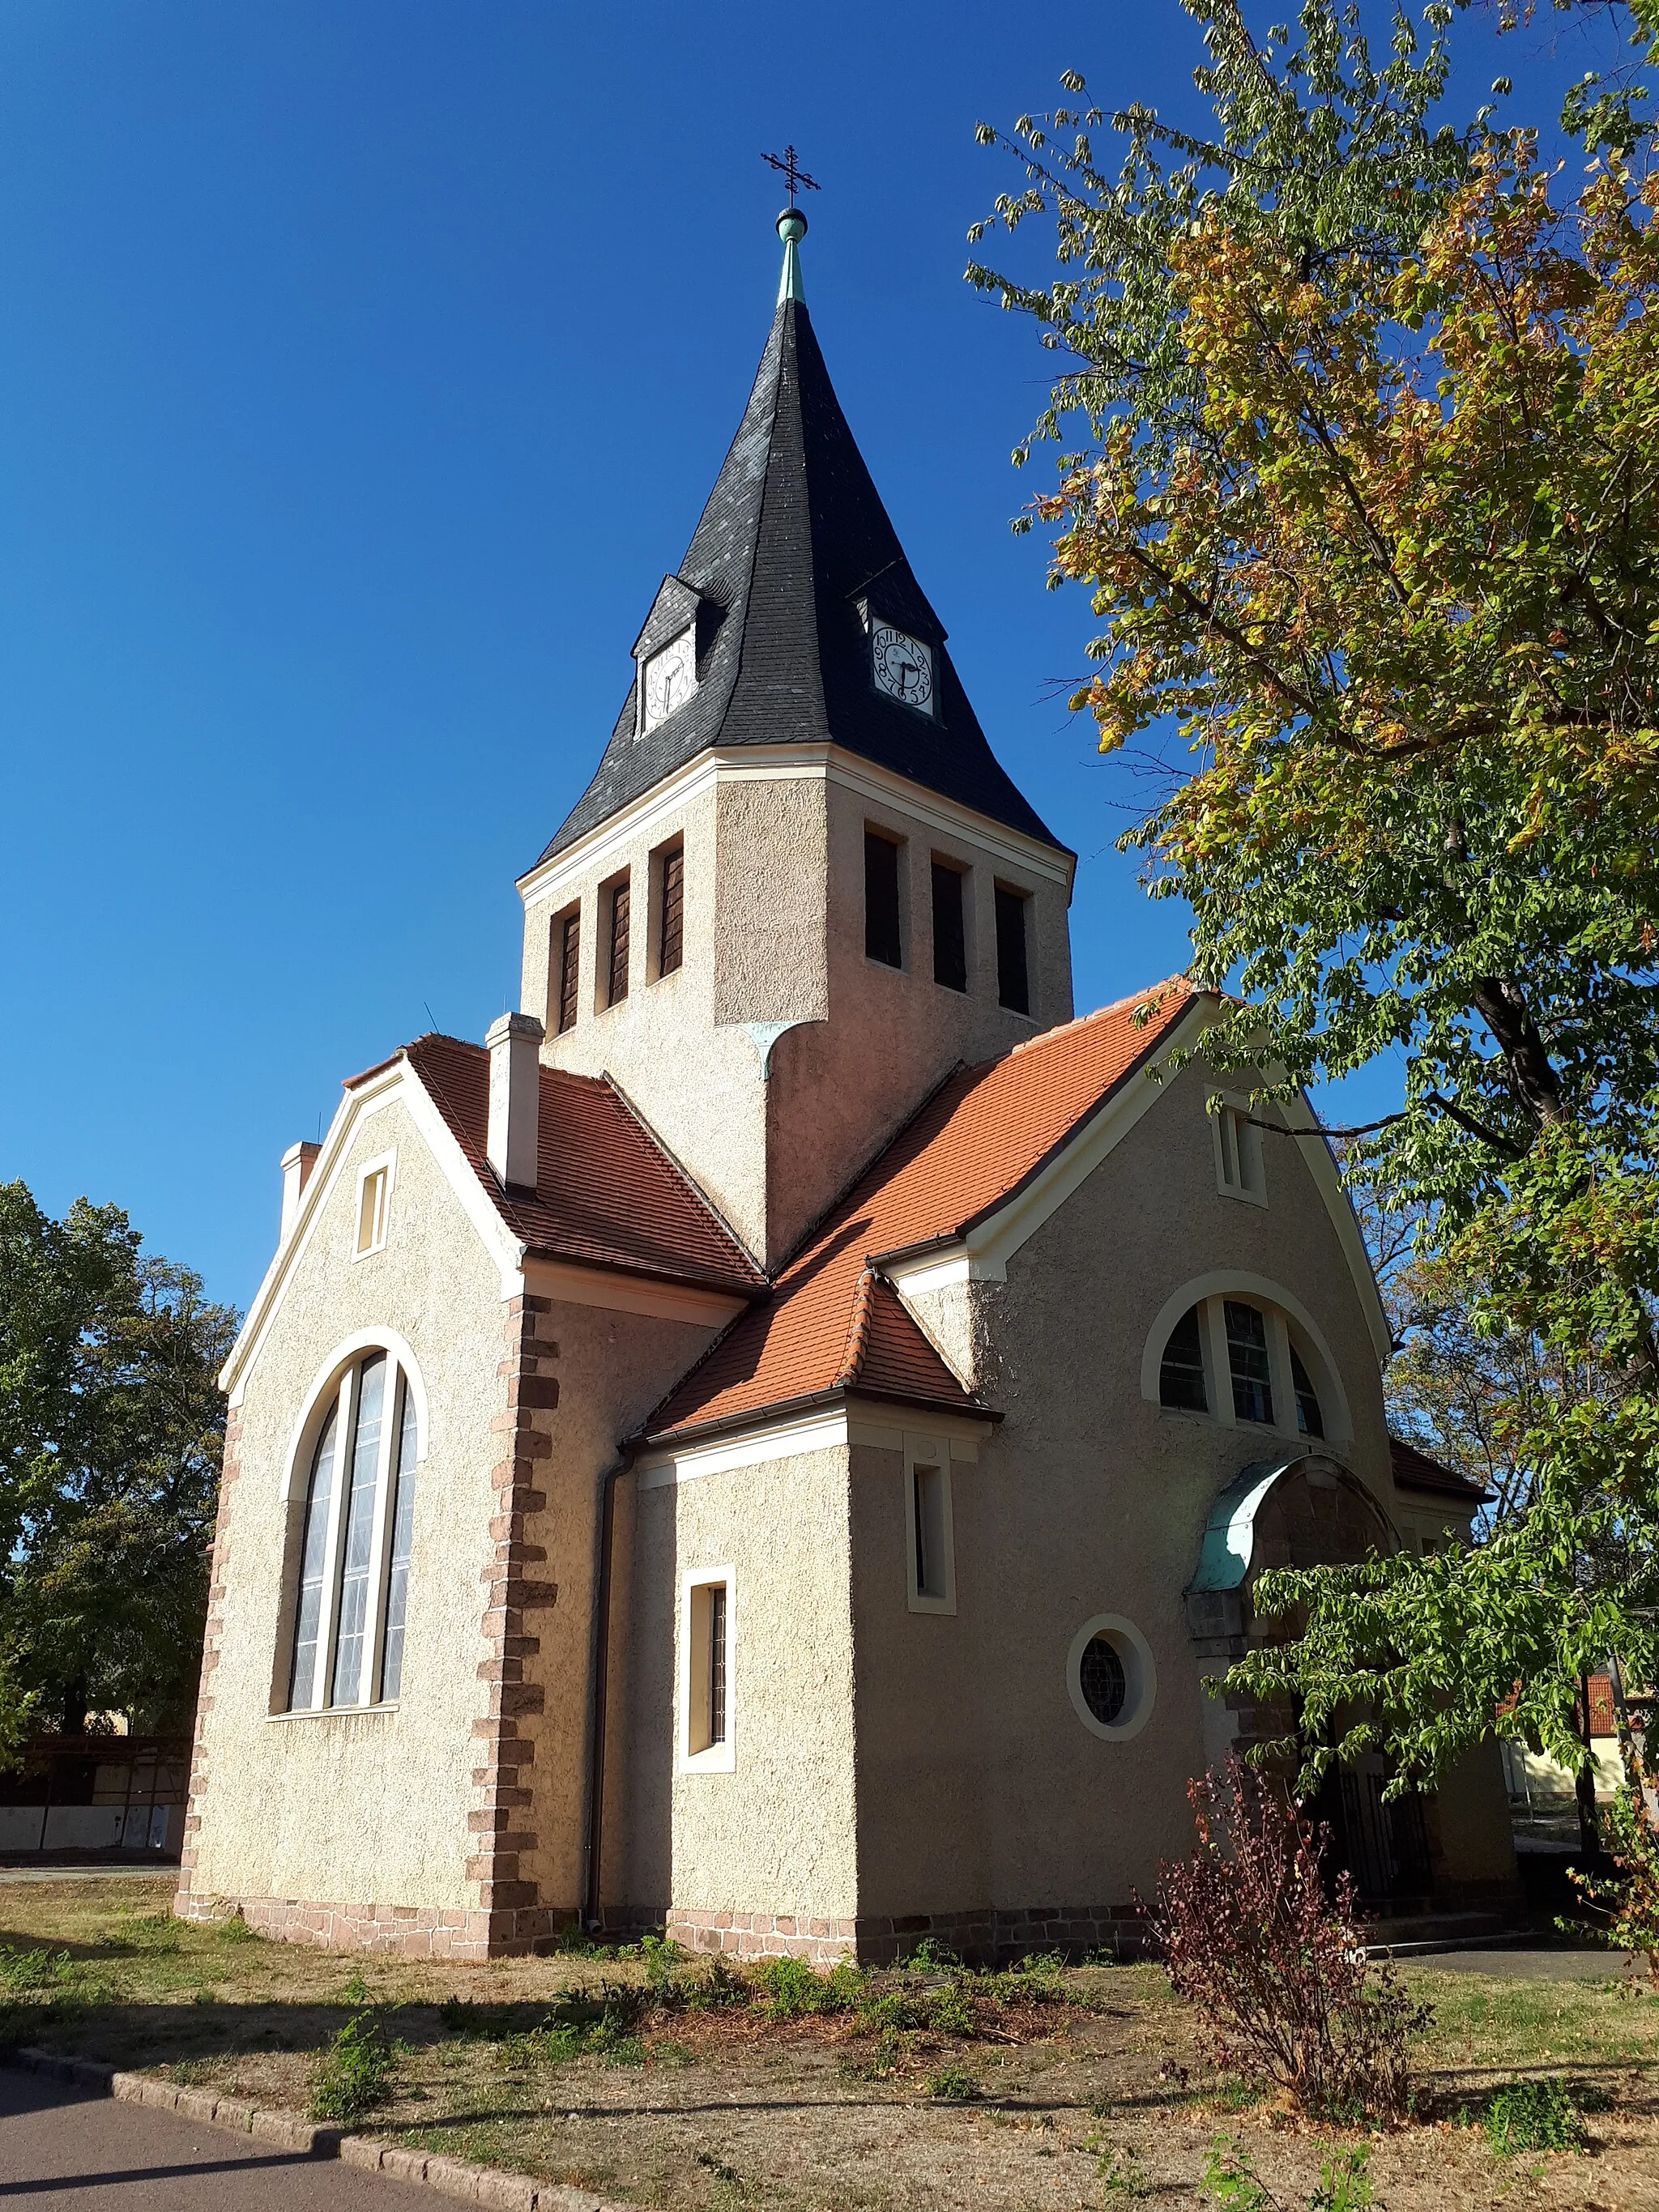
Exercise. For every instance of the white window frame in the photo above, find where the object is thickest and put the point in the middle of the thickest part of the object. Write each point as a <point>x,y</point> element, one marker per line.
<point>340,1393</point>
<point>1240,1168</point>
<point>930,1455</point>
<point>385,1163</point>
<point>1282,1313</point>
<point>1140,1673</point>
<point>715,1757</point>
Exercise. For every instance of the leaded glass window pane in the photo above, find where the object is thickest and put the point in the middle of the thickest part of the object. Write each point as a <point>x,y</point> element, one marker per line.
<point>1309,1419</point>
<point>1101,1676</point>
<point>403,1525</point>
<point>314,1548</point>
<point>359,1532</point>
<point>1181,1377</point>
<point>1247,1357</point>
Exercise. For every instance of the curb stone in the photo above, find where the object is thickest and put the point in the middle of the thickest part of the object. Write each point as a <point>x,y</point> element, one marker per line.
<point>452,2177</point>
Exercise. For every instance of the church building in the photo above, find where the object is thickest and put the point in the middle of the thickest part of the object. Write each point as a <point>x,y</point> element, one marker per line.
<point>773,1440</point>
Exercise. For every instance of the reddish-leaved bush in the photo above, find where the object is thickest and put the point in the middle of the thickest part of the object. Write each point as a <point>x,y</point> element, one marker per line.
<point>1251,1935</point>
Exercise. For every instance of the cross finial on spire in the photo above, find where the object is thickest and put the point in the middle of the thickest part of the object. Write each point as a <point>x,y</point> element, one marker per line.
<point>792,224</point>
<point>794,176</point>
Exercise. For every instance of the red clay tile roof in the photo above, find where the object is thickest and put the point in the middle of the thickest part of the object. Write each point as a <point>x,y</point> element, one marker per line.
<point>983,1133</point>
<point>607,1194</point>
<point>1415,1470</point>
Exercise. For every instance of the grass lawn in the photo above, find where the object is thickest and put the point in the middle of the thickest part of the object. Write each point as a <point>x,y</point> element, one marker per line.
<point>932,2088</point>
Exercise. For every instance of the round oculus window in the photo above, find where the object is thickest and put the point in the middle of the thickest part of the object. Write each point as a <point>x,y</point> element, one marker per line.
<point>1112,1677</point>
<point>1102,1681</point>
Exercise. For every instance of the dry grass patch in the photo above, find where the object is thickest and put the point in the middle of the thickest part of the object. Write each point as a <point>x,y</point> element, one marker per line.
<point>663,2081</point>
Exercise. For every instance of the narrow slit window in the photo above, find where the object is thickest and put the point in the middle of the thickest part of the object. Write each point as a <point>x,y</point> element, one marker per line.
<point>716,1663</point>
<point>1181,1377</point>
<point>569,933</point>
<point>313,1558</point>
<point>927,1519</point>
<point>1247,1357</point>
<point>403,1531</point>
<point>671,941</point>
<point>359,1532</point>
<point>1238,1154</point>
<point>950,934</point>
<point>1309,1419</point>
<point>371,1212</point>
<point>616,973</point>
<point>881,901</point>
<point>1014,979</point>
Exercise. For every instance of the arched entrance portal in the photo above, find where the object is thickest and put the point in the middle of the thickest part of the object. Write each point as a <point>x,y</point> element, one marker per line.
<point>1306,1509</point>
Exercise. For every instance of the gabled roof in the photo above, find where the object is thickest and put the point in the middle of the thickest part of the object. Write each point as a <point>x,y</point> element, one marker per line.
<point>607,1194</point>
<point>793,535</point>
<point>1415,1470</point>
<point>982,1136</point>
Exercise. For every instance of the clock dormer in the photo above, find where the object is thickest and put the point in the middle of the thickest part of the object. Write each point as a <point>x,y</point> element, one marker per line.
<point>669,651</point>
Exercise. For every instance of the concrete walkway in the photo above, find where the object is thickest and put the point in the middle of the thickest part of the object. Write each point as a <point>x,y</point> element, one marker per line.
<point>1518,1962</point>
<point>72,2151</point>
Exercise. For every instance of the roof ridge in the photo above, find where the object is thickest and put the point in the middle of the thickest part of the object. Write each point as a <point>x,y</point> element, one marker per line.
<point>1146,996</point>
<point>858,1331</point>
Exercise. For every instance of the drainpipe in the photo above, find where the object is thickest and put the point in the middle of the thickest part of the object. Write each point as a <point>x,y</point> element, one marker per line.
<point>599,1675</point>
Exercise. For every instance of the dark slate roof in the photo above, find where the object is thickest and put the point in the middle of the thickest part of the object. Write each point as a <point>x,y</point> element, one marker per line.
<point>793,535</point>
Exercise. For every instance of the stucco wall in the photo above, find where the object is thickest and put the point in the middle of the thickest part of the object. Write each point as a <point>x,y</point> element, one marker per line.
<point>775,1835</point>
<point>613,1368</point>
<point>774,933</point>
<point>364,1806</point>
<point>1087,1500</point>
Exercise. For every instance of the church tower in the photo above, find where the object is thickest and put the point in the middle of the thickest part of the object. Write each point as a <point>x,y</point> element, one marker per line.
<point>801,887</point>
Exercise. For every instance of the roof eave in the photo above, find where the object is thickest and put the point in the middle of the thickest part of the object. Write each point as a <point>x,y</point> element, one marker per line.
<point>780,1409</point>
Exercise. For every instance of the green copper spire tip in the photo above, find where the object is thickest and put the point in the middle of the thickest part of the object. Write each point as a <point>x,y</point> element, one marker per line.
<point>791,229</point>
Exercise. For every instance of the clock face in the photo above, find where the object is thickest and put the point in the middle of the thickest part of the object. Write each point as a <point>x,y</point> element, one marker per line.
<point>670,677</point>
<point>904,667</point>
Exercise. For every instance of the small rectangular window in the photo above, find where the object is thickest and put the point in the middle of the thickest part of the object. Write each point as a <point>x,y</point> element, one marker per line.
<point>882,940</point>
<point>929,1539</point>
<point>1238,1155</point>
<point>1013,980</point>
<point>707,1654</point>
<point>616,966</point>
<point>950,933</point>
<point>670,909</point>
<point>568,949</point>
<point>1247,1356</point>
<point>371,1211</point>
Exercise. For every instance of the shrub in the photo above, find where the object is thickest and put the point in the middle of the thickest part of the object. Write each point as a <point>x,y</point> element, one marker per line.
<point>1627,1905</point>
<point>1249,1935</point>
<point>931,1951</point>
<point>662,1954</point>
<point>948,2013</point>
<point>356,2070</point>
<point>954,2085</point>
<point>1534,2116</point>
<point>788,1989</point>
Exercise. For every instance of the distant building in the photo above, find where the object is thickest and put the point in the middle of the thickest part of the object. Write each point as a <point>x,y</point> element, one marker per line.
<point>773,1440</point>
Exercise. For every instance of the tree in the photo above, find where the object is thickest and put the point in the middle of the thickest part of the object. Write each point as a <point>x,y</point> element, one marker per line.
<point>111,1428</point>
<point>1369,512</point>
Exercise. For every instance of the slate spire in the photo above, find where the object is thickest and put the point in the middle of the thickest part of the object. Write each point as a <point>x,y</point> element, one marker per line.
<point>793,558</point>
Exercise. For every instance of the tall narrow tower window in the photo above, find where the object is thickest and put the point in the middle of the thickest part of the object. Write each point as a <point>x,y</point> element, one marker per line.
<point>567,947</point>
<point>616,966</point>
<point>1013,980</point>
<point>670,928</point>
<point>882,938</point>
<point>950,935</point>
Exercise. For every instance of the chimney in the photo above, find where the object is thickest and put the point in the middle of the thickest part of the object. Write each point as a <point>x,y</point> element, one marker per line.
<point>298,1161</point>
<point>515,1098</point>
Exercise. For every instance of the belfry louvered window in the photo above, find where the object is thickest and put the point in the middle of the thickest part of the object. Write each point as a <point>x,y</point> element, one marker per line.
<point>619,904</point>
<point>567,954</point>
<point>670,909</point>
<point>356,1527</point>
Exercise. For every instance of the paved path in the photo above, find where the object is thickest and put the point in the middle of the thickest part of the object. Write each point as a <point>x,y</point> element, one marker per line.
<point>1515,1962</point>
<point>68,2150</point>
<point>88,1873</point>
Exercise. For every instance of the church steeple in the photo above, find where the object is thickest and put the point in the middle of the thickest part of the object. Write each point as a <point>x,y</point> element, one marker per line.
<point>800,886</point>
<point>791,567</point>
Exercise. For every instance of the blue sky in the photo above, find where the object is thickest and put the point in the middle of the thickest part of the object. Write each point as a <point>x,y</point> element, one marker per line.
<point>363,366</point>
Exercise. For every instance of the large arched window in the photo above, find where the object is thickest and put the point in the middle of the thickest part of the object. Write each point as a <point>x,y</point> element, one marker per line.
<point>356,1520</point>
<point>1246,1360</point>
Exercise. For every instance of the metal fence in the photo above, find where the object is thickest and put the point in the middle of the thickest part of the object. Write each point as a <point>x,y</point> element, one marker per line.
<point>95,1797</point>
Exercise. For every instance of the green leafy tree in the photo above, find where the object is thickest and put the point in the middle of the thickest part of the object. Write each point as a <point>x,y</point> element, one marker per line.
<point>1366,499</point>
<point>112,1429</point>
